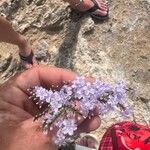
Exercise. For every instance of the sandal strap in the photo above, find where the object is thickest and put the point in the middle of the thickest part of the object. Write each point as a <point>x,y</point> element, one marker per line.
<point>28,58</point>
<point>94,8</point>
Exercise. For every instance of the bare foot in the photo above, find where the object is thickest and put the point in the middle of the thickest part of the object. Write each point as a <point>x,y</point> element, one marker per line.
<point>87,4</point>
<point>25,50</point>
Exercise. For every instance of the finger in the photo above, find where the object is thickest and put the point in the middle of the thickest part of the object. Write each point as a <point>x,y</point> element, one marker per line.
<point>57,76</point>
<point>89,125</point>
<point>42,76</point>
<point>80,117</point>
<point>45,76</point>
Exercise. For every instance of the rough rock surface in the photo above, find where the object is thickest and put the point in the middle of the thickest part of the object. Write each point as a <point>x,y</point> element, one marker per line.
<point>117,49</point>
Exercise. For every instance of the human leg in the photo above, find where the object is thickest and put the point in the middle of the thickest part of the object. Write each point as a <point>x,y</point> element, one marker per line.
<point>9,35</point>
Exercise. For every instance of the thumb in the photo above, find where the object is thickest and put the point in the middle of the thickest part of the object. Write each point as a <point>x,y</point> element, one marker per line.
<point>89,125</point>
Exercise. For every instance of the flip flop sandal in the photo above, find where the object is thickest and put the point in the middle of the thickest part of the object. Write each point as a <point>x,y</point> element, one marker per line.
<point>80,147</point>
<point>94,8</point>
<point>28,59</point>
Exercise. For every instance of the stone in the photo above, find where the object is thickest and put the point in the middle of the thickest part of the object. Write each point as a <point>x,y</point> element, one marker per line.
<point>12,69</point>
<point>145,100</point>
<point>141,75</point>
<point>54,19</point>
<point>8,7</point>
<point>87,25</point>
<point>5,62</point>
<point>41,52</point>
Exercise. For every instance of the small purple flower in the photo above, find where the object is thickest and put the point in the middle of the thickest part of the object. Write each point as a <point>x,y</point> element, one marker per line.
<point>79,82</point>
<point>127,112</point>
<point>105,108</point>
<point>69,126</point>
<point>56,102</point>
<point>120,91</point>
<point>48,96</point>
<point>60,106</point>
<point>59,122</point>
<point>41,93</point>
<point>102,88</point>
<point>48,118</point>
<point>67,90</point>
<point>66,127</point>
<point>60,138</point>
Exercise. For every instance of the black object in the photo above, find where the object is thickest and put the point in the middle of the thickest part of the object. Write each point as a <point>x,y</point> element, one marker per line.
<point>28,58</point>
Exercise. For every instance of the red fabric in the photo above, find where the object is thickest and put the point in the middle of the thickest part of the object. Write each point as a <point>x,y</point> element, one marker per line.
<point>126,136</point>
<point>106,142</point>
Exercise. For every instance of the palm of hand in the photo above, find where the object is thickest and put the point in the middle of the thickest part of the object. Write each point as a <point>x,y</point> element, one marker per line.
<point>17,130</point>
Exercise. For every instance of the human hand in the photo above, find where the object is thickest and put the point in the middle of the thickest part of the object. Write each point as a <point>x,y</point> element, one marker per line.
<point>17,130</point>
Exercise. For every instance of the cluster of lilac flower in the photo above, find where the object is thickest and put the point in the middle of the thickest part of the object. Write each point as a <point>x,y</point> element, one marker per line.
<point>58,108</point>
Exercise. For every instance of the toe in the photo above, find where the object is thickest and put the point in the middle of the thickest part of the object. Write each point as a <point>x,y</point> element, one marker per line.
<point>102,5</point>
<point>103,8</point>
<point>100,12</point>
<point>28,66</point>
